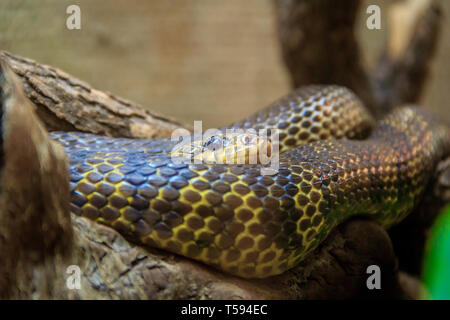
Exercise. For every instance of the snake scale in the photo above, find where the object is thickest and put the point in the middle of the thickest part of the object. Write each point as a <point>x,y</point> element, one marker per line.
<point>251,225</point>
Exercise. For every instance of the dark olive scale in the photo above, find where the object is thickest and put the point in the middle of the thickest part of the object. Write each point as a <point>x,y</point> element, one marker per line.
<point>234,218</point>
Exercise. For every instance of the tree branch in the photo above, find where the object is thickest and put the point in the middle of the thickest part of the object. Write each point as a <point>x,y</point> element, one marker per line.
<point>66,103</point>
<point>35,232</point>
<point>318,45</point>
<point>402,71</point>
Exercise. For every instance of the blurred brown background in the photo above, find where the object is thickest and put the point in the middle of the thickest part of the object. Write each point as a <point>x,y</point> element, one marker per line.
<point>217,61</point>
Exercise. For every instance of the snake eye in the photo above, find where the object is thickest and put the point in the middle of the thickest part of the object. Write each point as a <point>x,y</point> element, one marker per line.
<point>214,143</point>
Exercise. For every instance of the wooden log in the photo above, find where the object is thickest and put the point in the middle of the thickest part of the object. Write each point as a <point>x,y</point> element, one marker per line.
<point>66,103</point>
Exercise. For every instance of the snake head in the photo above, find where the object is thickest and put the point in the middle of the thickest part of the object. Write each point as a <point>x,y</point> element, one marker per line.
<point>226,148</point>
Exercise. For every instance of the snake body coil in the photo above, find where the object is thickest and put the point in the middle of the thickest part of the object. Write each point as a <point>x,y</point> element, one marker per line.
<point>232,217</point>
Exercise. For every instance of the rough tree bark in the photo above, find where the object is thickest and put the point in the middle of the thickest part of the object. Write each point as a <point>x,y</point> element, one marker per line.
<point>318,45</point>
<point>35,230</point>
<point>403,67</point>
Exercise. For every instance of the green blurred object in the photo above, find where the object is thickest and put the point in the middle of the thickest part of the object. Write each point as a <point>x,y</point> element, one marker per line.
<point>436,274</point>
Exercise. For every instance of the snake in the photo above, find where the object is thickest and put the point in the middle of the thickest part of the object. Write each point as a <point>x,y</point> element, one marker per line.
<point>335,162</point>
